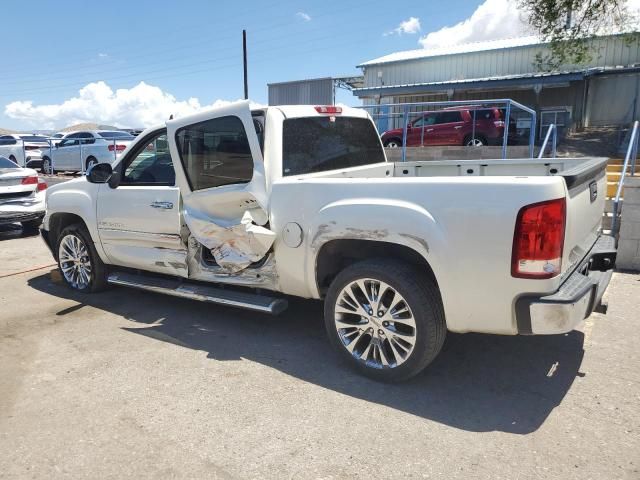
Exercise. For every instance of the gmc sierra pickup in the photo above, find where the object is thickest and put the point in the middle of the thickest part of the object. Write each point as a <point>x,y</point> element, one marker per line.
<point>229,204</point>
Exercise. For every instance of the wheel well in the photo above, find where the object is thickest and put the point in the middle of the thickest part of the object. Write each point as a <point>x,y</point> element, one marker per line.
<point>387,140</point>
<point>57,223</point>
<point>336,255</point>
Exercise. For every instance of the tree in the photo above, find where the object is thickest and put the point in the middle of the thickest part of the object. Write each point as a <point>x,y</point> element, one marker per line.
<point>568,25</point>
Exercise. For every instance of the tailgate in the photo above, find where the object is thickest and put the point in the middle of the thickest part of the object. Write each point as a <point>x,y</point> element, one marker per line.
<point>586,192</point>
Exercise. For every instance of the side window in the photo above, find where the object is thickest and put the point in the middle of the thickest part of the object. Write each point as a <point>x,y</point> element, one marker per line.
<point>215,152</point>
<point>87,138</point>
<point>69,141</point>
<point>448,117</point>
<point>150,163</point>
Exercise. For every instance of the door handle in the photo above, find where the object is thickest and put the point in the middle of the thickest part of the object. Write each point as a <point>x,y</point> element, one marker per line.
<point>429,129</point>
<point>457,127</point>
<point>164,205</point>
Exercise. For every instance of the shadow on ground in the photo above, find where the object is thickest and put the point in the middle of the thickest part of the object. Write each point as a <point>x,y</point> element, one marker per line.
<point>478,382</point>
<point>10,231</point>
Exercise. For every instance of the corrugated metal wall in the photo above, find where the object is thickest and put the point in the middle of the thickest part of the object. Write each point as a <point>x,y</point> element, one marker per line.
<point>305,92</point>
<point>607,51</point>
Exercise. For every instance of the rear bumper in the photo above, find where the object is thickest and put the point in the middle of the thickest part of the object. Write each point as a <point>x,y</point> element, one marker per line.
<point>578,296</point>
<point>14,217</point>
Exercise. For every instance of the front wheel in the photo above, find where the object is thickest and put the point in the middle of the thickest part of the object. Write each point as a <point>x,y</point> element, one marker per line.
<point>475,142</point>
<point>385,318</point>
<point>393,143</point>
<point>46,166</point>
<point>81,267</point>
<point>91,161</point>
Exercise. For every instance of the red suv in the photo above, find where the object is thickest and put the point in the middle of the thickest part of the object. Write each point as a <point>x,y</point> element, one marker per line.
<point>453,126</point>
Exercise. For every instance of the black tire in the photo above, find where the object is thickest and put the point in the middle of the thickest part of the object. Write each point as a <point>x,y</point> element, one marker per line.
<point>31,226</point>
<point>393,143</point>
<point>46,166</point>
<point>13,159</point>
<point>423,299</point>
<point>90,161</point>
<point>98,278</point>
<point>480,141</point>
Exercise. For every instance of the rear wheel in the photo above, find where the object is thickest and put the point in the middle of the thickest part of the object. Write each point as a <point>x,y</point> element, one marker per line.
<point>13,159</point>
<point>385,318</point>
<point>79,263</point>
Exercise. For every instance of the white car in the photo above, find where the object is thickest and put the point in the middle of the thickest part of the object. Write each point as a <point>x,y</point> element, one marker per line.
<point>24,149</point>
<point>21,195</point>
<point>301,201</point>
<point>78,151</point>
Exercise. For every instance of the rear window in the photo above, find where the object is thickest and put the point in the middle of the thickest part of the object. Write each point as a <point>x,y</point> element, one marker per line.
<point>122,135</point>
<point>34,138</point>
<point>318,144</point>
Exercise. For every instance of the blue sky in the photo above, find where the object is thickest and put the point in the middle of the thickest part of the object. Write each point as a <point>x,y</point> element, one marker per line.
<point>192,48</point>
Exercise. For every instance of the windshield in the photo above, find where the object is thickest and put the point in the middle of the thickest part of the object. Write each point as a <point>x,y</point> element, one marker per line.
<point>318,144</point>
<point>122,135</point>
<point>6,163</point>
<point>33,138</point>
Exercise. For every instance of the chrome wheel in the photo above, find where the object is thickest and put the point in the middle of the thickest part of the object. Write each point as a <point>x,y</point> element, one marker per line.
<point>375,323</point>
<point>393,144</point>
<point>475,142</point>
<point>75,262</point>
<point>46,166</point>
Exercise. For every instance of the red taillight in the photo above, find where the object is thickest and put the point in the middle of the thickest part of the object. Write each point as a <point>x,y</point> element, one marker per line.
<point>329,109</point>
<point>32,180</point>
<point>118,148</point>
<point>42,185</point>
<point>538,240</point>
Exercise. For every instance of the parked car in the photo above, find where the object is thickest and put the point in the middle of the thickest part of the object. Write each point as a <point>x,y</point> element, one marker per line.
<point>453,126</point>
<point>11,146</point>
<point>301,201</point>
<point>21,195</point>
<point>77,151</point>
<point>56,138</point>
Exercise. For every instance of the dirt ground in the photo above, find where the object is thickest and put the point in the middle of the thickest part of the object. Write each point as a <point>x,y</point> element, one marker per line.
<point>129,384</point>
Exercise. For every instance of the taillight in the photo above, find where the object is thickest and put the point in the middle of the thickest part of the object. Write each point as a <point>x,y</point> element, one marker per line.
<point>329,109</point>
<point>32,147</point>
<point>42,185</point>
<point>538,240</point>
<point>118,148</point>
<point>32,180</point>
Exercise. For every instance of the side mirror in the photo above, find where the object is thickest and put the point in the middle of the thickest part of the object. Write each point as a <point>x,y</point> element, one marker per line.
<point>100,173</point>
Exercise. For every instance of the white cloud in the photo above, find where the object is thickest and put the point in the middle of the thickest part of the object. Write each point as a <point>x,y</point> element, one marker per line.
<point>304,16</point>
<point>495,20</point>
<point>141,106</point>
<point>492,20</point>
<point>412,25</point>
<point>103,55</point>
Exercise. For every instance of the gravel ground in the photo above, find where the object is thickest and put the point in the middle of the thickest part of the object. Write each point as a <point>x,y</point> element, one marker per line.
<point>128,384</point>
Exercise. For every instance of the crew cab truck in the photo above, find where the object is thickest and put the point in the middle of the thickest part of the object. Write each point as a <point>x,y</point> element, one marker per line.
<point>243,208</point>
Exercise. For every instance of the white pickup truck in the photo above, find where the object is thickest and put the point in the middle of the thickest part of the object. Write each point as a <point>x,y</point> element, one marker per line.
<point>300,200</point>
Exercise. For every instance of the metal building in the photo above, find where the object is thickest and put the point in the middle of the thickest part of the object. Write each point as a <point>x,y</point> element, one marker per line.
<point>316,91</point>
<point>603,91</point>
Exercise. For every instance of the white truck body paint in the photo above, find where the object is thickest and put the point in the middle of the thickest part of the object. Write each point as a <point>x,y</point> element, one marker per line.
<point>459,216</point>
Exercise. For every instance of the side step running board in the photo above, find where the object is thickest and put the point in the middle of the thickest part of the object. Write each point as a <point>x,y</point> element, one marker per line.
<point>202,293</point>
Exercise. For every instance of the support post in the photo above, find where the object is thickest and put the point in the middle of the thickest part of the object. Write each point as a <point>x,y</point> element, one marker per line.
<point>505,138</point>
<point>405,119</point>
<point>244,62</point>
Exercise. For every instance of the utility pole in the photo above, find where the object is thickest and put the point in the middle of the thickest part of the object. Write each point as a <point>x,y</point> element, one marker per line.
<point>244,60</point>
